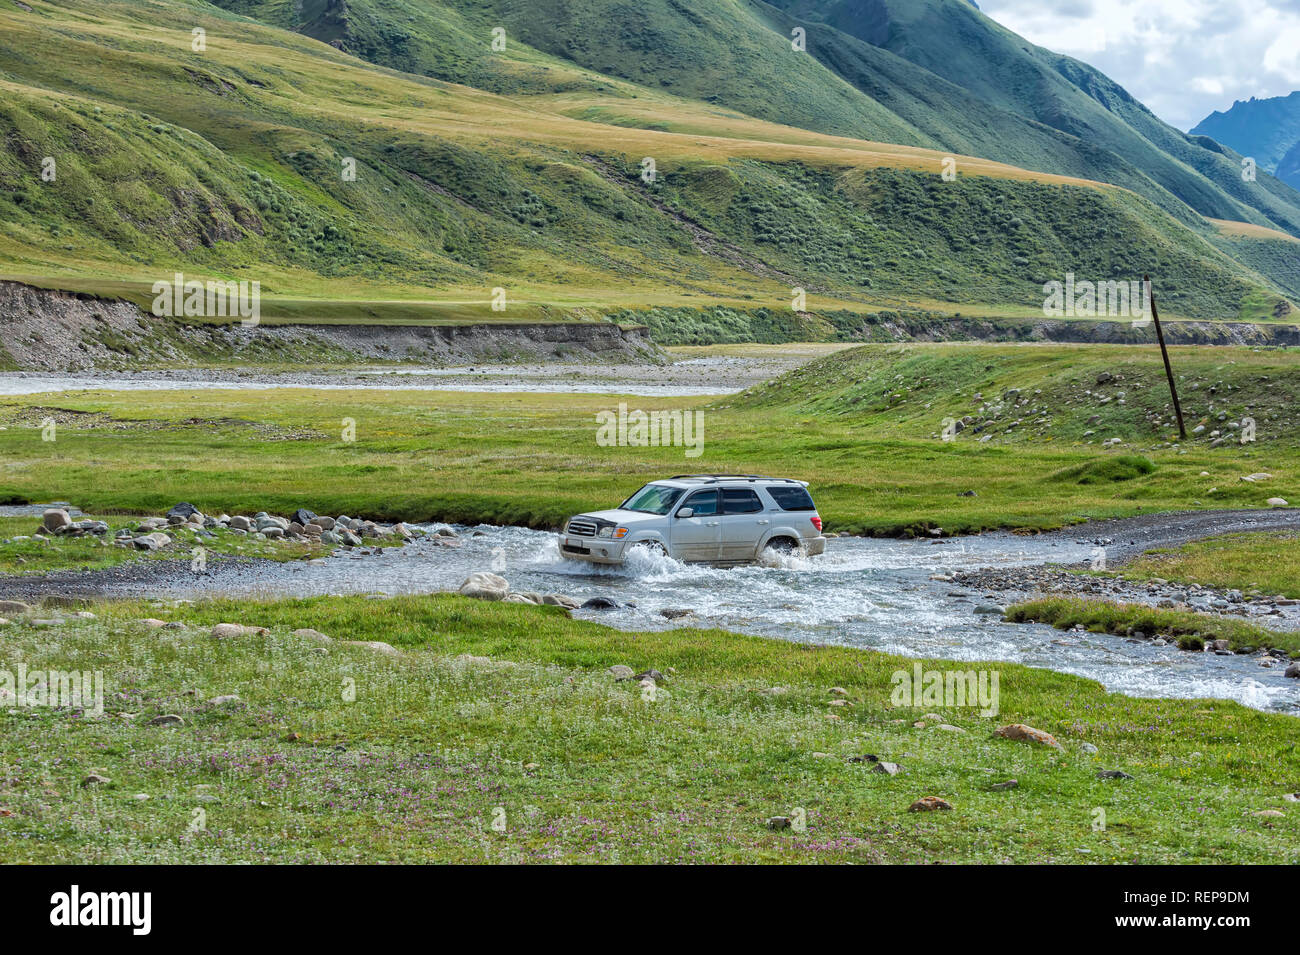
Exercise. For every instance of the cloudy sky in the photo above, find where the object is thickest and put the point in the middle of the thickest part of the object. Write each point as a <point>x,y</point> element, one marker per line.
<point>1182,58</point>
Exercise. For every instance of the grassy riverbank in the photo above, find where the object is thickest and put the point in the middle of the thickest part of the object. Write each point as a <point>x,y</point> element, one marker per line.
<point>1265,563</point>
<point>1187,628</point>
<point>864,426</point>
<point>21,552</point>
<point>423,756</point>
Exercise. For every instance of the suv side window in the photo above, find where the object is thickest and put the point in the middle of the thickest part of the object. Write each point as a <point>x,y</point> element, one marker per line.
<point>791,498</point>
<point>705,503</point>
<point>740,500</point>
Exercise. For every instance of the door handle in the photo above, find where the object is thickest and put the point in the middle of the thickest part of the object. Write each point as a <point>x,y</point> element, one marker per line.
<point>764,522</point>
<point>713,523</point>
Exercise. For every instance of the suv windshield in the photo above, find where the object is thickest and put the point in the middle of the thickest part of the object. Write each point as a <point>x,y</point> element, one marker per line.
<point>653,499</point>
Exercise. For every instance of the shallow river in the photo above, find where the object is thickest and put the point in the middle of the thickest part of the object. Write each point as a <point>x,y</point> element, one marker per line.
<point>454,379</point>
<point>862,592</point>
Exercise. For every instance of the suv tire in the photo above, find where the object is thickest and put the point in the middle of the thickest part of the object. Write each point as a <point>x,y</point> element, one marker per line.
<point>783,546</point>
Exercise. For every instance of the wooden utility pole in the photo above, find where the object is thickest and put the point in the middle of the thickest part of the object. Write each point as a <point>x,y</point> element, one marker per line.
<point>1164,351</point>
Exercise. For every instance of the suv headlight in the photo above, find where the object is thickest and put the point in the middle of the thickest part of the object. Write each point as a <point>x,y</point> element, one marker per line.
<point>607,531</point>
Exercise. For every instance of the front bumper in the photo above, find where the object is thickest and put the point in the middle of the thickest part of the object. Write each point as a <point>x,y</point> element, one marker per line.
<point>594,550</point>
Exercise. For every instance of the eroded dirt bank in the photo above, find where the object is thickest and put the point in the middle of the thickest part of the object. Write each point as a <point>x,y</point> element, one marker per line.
<point>53,331</point>
<point>44,330</point>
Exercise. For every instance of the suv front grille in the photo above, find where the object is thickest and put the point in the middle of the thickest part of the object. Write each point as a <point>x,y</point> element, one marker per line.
<point>582,527</point>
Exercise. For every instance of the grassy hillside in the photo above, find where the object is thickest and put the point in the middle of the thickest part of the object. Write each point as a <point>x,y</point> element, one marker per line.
<point>930,73</point>
<point>1013,395</point>
<point>903,235</point>
<point>710,52</point>
<point>953,40</point>
<point>1273,254</point>
<point>228,162</point>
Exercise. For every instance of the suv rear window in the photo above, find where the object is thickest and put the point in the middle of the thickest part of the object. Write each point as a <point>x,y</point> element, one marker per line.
<point>792,498</point>
<point>740,500</point>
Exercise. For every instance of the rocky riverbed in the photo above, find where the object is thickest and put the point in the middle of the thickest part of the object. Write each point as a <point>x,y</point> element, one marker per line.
<point>1028,583</point>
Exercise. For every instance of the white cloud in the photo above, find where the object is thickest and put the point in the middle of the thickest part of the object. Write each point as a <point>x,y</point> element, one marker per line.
<point>1283,54</point>
<point>1182,58</point>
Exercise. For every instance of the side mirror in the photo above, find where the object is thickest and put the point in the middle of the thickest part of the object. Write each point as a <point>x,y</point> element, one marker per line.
<point>686,512</point>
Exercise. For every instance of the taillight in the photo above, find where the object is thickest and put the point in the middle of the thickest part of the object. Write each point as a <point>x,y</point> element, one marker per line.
<point>817,522</point>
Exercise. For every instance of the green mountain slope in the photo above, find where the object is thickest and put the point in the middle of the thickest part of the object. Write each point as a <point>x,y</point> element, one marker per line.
<point>934,73</point>
<point>714,52</point>
<point>952,39</point>
<point>228,162</point>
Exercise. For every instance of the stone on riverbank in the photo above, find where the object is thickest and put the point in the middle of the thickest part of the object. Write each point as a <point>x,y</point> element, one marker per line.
<point>55,519</point>
<point>155,541</point>
<point>223,631</point>
<point>485,586</point>
<point>1019,731</point>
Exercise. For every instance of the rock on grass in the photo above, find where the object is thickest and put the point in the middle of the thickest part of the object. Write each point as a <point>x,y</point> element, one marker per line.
<point>387,649</point>
<point>1019,731</point>
<point>929,804</point>
<point>224,631</point>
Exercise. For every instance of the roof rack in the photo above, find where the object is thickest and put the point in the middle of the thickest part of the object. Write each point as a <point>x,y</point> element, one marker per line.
<point>730,477</point>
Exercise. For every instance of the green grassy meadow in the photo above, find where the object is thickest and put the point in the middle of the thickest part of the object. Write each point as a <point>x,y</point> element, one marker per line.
<point>865,426</point>
<point>497,735</point>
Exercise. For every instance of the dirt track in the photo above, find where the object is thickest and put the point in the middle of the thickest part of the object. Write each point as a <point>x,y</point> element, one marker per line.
<point>1126,538</point>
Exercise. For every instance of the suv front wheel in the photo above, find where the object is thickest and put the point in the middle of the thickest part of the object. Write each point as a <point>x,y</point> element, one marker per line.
<point>653,548</point>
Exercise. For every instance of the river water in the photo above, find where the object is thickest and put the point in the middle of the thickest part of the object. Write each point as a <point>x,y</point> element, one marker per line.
<point>875,594</point>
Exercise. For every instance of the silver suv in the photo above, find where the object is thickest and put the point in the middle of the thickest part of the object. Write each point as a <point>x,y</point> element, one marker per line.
<point>710,518</point>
